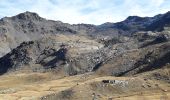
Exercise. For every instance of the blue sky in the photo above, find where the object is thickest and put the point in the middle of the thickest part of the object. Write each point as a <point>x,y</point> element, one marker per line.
<point>85,11</point>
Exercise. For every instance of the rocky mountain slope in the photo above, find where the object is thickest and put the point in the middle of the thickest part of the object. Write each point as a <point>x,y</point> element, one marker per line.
<point>81,48</point>
<point>137,46</point>
<point>30,26</point>
<point>135,23</point>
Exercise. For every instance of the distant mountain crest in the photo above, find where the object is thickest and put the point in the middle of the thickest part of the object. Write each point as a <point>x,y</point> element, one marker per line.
<point>27,16</point>
<point>135,18</point>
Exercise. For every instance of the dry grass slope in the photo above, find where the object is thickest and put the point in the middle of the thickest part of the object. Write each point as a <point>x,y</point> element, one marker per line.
<point>46,86</point>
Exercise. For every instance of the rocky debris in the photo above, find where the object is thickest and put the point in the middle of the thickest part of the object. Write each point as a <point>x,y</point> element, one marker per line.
<point>158,76</point>
<point>96,96</point>
<point>89,61</point>
<point>144,36</point>
<point>8,90</point>
<point>112,41</point>
<point>160,38</point>
<point>122,83</point>
<point>63,95</point>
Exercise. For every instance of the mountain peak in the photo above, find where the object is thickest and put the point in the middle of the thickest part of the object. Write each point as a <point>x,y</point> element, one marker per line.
<point>135,18</point>
<point>28,16</point>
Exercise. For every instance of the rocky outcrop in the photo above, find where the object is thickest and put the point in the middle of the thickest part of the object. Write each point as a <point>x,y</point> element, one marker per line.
<point>25,54</point>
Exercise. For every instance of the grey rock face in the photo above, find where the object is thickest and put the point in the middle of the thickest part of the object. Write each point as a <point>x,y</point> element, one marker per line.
<point>30,26</point>
<point>27,40</point>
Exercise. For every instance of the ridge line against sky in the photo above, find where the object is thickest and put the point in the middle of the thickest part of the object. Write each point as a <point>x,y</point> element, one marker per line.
<point>85,11</point>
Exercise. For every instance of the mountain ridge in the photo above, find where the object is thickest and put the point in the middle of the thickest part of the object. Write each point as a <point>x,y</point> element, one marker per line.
<point>91,41</point>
